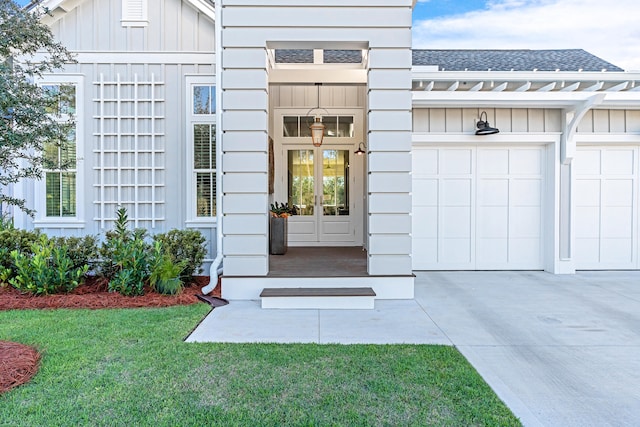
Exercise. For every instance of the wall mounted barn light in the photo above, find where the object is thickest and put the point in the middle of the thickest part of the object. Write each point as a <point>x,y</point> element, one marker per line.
<point>484,128</point>
<point>317,128</point>
<point>361,149</point>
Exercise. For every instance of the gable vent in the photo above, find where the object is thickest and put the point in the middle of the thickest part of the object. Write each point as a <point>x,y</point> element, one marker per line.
<point>134,13</point>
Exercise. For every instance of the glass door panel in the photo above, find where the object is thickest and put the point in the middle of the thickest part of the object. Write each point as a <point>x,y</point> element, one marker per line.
<point>301,181</point>
<point>335,182</point>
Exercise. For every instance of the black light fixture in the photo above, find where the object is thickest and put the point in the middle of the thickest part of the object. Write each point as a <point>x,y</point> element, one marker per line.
<point>360,151</point>
<point>484,128</point>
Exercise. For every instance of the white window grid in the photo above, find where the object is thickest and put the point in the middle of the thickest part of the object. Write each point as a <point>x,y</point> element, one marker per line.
<point>193,119</point>
<point>130,155</point>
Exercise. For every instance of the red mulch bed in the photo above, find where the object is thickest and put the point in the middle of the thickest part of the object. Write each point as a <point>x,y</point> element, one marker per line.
<point>18,362</point>
<point>93,294</point>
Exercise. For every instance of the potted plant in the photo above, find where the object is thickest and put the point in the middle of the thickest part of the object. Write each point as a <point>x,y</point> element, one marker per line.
<point>278,227</point>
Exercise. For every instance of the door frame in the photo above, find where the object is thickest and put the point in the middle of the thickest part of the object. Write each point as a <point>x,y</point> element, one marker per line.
<point>357,166</point>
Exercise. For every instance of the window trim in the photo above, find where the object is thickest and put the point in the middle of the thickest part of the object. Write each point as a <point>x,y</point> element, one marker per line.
<point>192,220</point>
<point>40,191</point>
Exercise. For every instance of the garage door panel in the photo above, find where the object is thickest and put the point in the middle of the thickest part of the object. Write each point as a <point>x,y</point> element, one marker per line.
<point>493,222</point>
<point>617,222</point>
<point>587,192</point>
<point>618,251</point>
<point>428,250</point>
<point>491,253</point>
<point>587,252</point>
<point>525,222</point>
<point>526,192</point>
<point>425,192</point>
<point>425,162</point>
<point>522,251</point>
<point>456,222</point>
<point>587,163</point>
<point>618,162</point>
<point>493,161</point>
<point>618,192</point>
<point>606,208</point>
<point>489,209</point>
<point>526,162</point>
<point>587,222</point>
<point>427,225</point>
<point>455,162</point>
<point>456,251</point>
<point>456,192</point>
<point>493,192</point>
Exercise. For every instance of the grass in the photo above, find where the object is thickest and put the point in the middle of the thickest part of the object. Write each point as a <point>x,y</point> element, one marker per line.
<point>130,367</point>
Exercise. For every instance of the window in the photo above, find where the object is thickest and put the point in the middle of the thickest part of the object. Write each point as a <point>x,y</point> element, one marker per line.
<point>201,148</point>
<point>60,157</point>
<point>60,177</point>
<point>57,196</point>
<point>204,167</point>
<point>335,126</point>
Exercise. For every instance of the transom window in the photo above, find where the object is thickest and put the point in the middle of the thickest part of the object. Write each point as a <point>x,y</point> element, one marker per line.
<point>204,100</point>
<point>335,126</point>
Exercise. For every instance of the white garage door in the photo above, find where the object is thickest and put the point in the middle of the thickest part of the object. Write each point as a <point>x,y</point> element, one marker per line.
<point>477,208</point>
<point>606,208</point>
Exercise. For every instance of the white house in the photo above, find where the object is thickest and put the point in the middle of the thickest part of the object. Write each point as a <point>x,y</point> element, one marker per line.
<point>195,114</point>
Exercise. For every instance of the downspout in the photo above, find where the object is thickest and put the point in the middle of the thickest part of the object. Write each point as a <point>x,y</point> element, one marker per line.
<point>216,269</point>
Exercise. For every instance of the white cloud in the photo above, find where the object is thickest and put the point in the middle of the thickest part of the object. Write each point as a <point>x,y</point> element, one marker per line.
<point>608,29</point>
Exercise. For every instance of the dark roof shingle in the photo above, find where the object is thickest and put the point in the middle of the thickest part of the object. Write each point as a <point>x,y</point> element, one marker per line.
<point>516,60</point>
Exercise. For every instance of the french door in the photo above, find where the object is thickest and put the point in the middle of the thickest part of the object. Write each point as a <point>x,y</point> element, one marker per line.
<point>320,183</point>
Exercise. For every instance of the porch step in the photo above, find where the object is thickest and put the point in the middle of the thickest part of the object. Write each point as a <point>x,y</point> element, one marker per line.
<point>318,298</point>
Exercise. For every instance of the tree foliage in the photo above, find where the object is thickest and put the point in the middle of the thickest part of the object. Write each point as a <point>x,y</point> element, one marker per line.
<point>29,116</point>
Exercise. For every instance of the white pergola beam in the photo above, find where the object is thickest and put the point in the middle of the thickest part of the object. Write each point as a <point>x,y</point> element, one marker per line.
<point>477,87</point>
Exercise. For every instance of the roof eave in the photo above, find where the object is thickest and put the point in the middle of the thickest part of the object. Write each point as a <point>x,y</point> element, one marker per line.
<point>563,100</point>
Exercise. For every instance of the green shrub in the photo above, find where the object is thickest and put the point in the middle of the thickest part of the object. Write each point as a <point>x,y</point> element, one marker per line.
<point>15,239</point>
<point>165,274</point>
<point>82,250</point>
<point>125,257</point>
<point>48,270</point>
<point>186,246</point>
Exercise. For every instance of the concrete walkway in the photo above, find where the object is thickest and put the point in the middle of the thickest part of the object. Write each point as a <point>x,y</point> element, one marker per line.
<point>558,350</point>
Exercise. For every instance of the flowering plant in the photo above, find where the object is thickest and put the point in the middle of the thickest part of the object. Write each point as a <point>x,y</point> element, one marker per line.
<point>282,210</point>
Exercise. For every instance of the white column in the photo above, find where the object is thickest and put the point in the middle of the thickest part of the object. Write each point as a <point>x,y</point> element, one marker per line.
<point>245,161</point>
<point>389,165</point>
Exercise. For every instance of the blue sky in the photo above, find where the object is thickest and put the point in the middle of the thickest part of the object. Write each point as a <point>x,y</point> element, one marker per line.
<point>608,29</point>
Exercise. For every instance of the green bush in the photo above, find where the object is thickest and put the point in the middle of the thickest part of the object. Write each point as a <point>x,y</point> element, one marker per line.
<point>165,274</point>
<point>125,257</point>
<point>47,270</point>
<point>184,246</point>
<point>82,250</point>
<point>15,239</point>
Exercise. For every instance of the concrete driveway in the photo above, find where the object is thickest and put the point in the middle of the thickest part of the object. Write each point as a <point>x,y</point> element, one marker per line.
<point>559,350</point>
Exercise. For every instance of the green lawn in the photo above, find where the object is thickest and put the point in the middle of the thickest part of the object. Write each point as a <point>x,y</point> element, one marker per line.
<point>130,367</point>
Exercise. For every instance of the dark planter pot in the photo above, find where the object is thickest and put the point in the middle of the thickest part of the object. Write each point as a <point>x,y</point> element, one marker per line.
<point>278,236</point>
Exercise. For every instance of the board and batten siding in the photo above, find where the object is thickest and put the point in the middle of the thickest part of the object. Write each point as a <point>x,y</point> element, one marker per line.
<point>173,26</point>
<point>249,27</point>
<point>610,121</point>
<point>134,98</point>
<point>459,120</point>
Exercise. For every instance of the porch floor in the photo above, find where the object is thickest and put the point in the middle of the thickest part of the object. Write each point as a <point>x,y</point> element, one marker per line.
<point>319,262</point>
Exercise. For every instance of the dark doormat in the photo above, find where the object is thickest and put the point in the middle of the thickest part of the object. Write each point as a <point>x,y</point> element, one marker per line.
<point>213,301</point>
